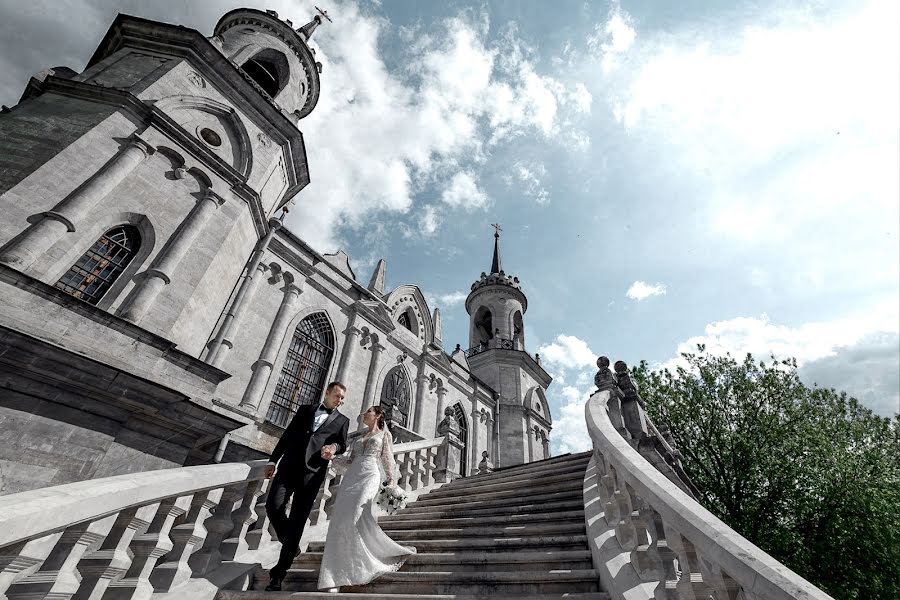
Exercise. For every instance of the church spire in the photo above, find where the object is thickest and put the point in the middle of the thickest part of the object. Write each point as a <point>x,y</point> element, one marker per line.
<point>496,266</point>
<point>307,30</point>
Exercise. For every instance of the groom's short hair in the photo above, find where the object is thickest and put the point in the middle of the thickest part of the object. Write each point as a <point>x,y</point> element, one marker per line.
<point>335,384</point>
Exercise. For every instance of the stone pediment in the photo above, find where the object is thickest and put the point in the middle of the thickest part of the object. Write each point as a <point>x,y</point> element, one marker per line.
<point>340,261</point>
<point>376,313</point>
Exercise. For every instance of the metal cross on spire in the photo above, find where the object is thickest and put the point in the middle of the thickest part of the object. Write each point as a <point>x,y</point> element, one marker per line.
<point>497,229</point>
<point>324,14</point>
<point>496,265</point>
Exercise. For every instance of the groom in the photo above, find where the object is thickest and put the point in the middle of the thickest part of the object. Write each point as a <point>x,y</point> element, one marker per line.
<point>316,434</point>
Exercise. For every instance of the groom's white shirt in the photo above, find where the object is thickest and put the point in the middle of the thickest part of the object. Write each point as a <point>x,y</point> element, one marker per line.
<point>318,419</point>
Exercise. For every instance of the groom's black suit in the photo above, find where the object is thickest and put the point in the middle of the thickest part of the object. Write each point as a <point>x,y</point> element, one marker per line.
<point>301,472</point>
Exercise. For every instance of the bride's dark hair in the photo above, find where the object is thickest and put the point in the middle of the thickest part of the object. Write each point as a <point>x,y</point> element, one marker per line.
<point>379,414</point>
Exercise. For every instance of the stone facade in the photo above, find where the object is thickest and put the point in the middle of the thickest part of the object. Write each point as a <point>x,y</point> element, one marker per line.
<point>193,144</point>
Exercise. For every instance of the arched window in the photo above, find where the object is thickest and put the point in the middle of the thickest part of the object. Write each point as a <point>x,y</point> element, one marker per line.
<point>305,369</point>
<point>96,271</point>
<point>518,331</point>
<point>395,396</point>
<point>484,326</point>
<point>269,69</point>
<point>403,319</point>
<point>460,417</point>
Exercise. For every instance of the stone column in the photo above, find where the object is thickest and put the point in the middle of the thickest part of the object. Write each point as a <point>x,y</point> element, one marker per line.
<point>262,368</point>
<point>546,444</point>
<point>496,433</point>
<point>441,409</point>
<point>449,453</point>
<point>476,419</point>
<point>489,445</point>
<point>71,212</point>
<point>351,343</point>
<point>369,394</point>
<point>421,380</point>
<point>223,342</point>
<point>167,261</point>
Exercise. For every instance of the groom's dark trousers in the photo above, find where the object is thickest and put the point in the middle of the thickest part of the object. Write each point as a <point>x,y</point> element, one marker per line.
<point>300,473</point>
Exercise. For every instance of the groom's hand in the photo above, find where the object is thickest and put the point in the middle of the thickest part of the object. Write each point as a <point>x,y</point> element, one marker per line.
<point>269,471</point>
<point>328,451</point>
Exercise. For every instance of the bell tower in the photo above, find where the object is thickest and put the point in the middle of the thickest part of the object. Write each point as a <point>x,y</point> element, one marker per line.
<point>496,306</point>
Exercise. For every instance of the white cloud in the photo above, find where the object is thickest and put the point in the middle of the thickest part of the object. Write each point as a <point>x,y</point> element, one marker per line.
<point>568,352</point>
<point>858,353</point>
<point>641,291</point>
<point>459,93</point>
<point>429,220</point>
<point>448,300</point>
<point>569,428</point>
<point>528,178</point>
<point>788,125</point>
<point>611,40</point>
<point>463,192</point>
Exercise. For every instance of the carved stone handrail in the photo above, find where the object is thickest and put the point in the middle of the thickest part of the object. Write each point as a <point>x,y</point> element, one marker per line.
<point>130,536</point>
<point>651,540</point>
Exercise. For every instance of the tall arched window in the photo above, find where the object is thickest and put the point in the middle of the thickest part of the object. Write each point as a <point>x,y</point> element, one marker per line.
<point>305,369</point>
<point>460,417</point>
<point>97,270</point>
<point>395,396</point>
<point>403,319</point>
<point>484,325</point>
<point>269,69</point>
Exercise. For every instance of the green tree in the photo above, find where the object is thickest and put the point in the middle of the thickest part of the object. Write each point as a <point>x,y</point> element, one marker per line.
<point>807,474</point>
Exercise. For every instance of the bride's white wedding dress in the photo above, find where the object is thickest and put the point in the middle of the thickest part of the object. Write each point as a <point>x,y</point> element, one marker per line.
<point>356,549</point>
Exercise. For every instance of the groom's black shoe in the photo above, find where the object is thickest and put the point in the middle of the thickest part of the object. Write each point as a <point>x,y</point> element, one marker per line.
<point>274,583</point>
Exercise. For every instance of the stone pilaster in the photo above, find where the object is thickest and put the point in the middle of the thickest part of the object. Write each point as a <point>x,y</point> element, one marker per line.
<point>421,380</point>
<point>351,343</point>
<point>369,394</point>
<point>223,342</point>
<point>262,368</point>
<point>71,212</point>
<point>166,263</point>
<point>441,409</point>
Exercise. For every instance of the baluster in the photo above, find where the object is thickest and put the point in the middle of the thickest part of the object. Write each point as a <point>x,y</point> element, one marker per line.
<point>322,505</point>
<point>58,576</point>
<point>242,520</point>
<point>691,585</point>
<point>187,538</point>
<point>660,554</point>
<point>626,531</point>
<point>259,534</point>
<point>110,562</point>
<point>431,464</point>
<point>405,472</point>
<point>417,470</point>
<point>724,587</point>
<point>644,557</point>
<point>20,560</point>
<point>218,527</point>
<point>147,548</point>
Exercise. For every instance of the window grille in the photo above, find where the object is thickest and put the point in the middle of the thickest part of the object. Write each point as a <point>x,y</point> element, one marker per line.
<point>96,271</point>
<point>305,369</point>
<point>460,417</point>
<point>396,394</point>
<point>403,319</point>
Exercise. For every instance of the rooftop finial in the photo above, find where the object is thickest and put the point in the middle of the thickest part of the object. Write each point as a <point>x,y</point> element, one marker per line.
<point>307,30</point>
<point>495,263</point>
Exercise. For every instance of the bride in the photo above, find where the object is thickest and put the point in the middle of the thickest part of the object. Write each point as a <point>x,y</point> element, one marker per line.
<point>356,549</point>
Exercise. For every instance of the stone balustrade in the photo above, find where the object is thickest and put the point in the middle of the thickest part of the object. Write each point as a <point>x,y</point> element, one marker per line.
<point>130,536</point>
<point>649,537</point>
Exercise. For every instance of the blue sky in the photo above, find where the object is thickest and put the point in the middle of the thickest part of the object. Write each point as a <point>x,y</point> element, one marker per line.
<point>665,174</point>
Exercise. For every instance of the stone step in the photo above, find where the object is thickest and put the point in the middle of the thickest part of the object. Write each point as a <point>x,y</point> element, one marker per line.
<point>492,544</point>
<point>259,595</point>
<point>513,484</point>
<point>401,521</point>
<point>408,537</point>
<point>541,507</point>
<point>533,466</point>
<point>464,582</point>
<point>479,561</point>
<point>498,499</point>
<point>576,468</point>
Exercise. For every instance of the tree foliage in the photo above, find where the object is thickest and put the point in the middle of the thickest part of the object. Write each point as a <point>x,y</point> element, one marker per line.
<point>807,474</point>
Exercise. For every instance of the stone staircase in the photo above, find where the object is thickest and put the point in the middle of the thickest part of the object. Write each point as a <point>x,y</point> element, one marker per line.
<point>515,533</point>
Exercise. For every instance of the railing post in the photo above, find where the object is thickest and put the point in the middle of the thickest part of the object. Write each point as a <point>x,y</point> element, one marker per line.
<point>58,576</point>
<point>112,560</point>
<point>147,549</point>
<point>187,538</point>
<point>449,454</point>
<point>218,527</point>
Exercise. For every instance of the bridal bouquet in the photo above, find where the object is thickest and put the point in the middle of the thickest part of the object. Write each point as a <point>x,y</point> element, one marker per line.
<point>390,498</point>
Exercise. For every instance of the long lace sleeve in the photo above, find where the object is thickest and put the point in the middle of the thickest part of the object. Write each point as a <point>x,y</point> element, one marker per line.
<point>387,456</point>
<point>342,461</point>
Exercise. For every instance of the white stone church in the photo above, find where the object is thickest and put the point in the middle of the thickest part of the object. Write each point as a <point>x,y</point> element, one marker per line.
<point>154,310</point>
